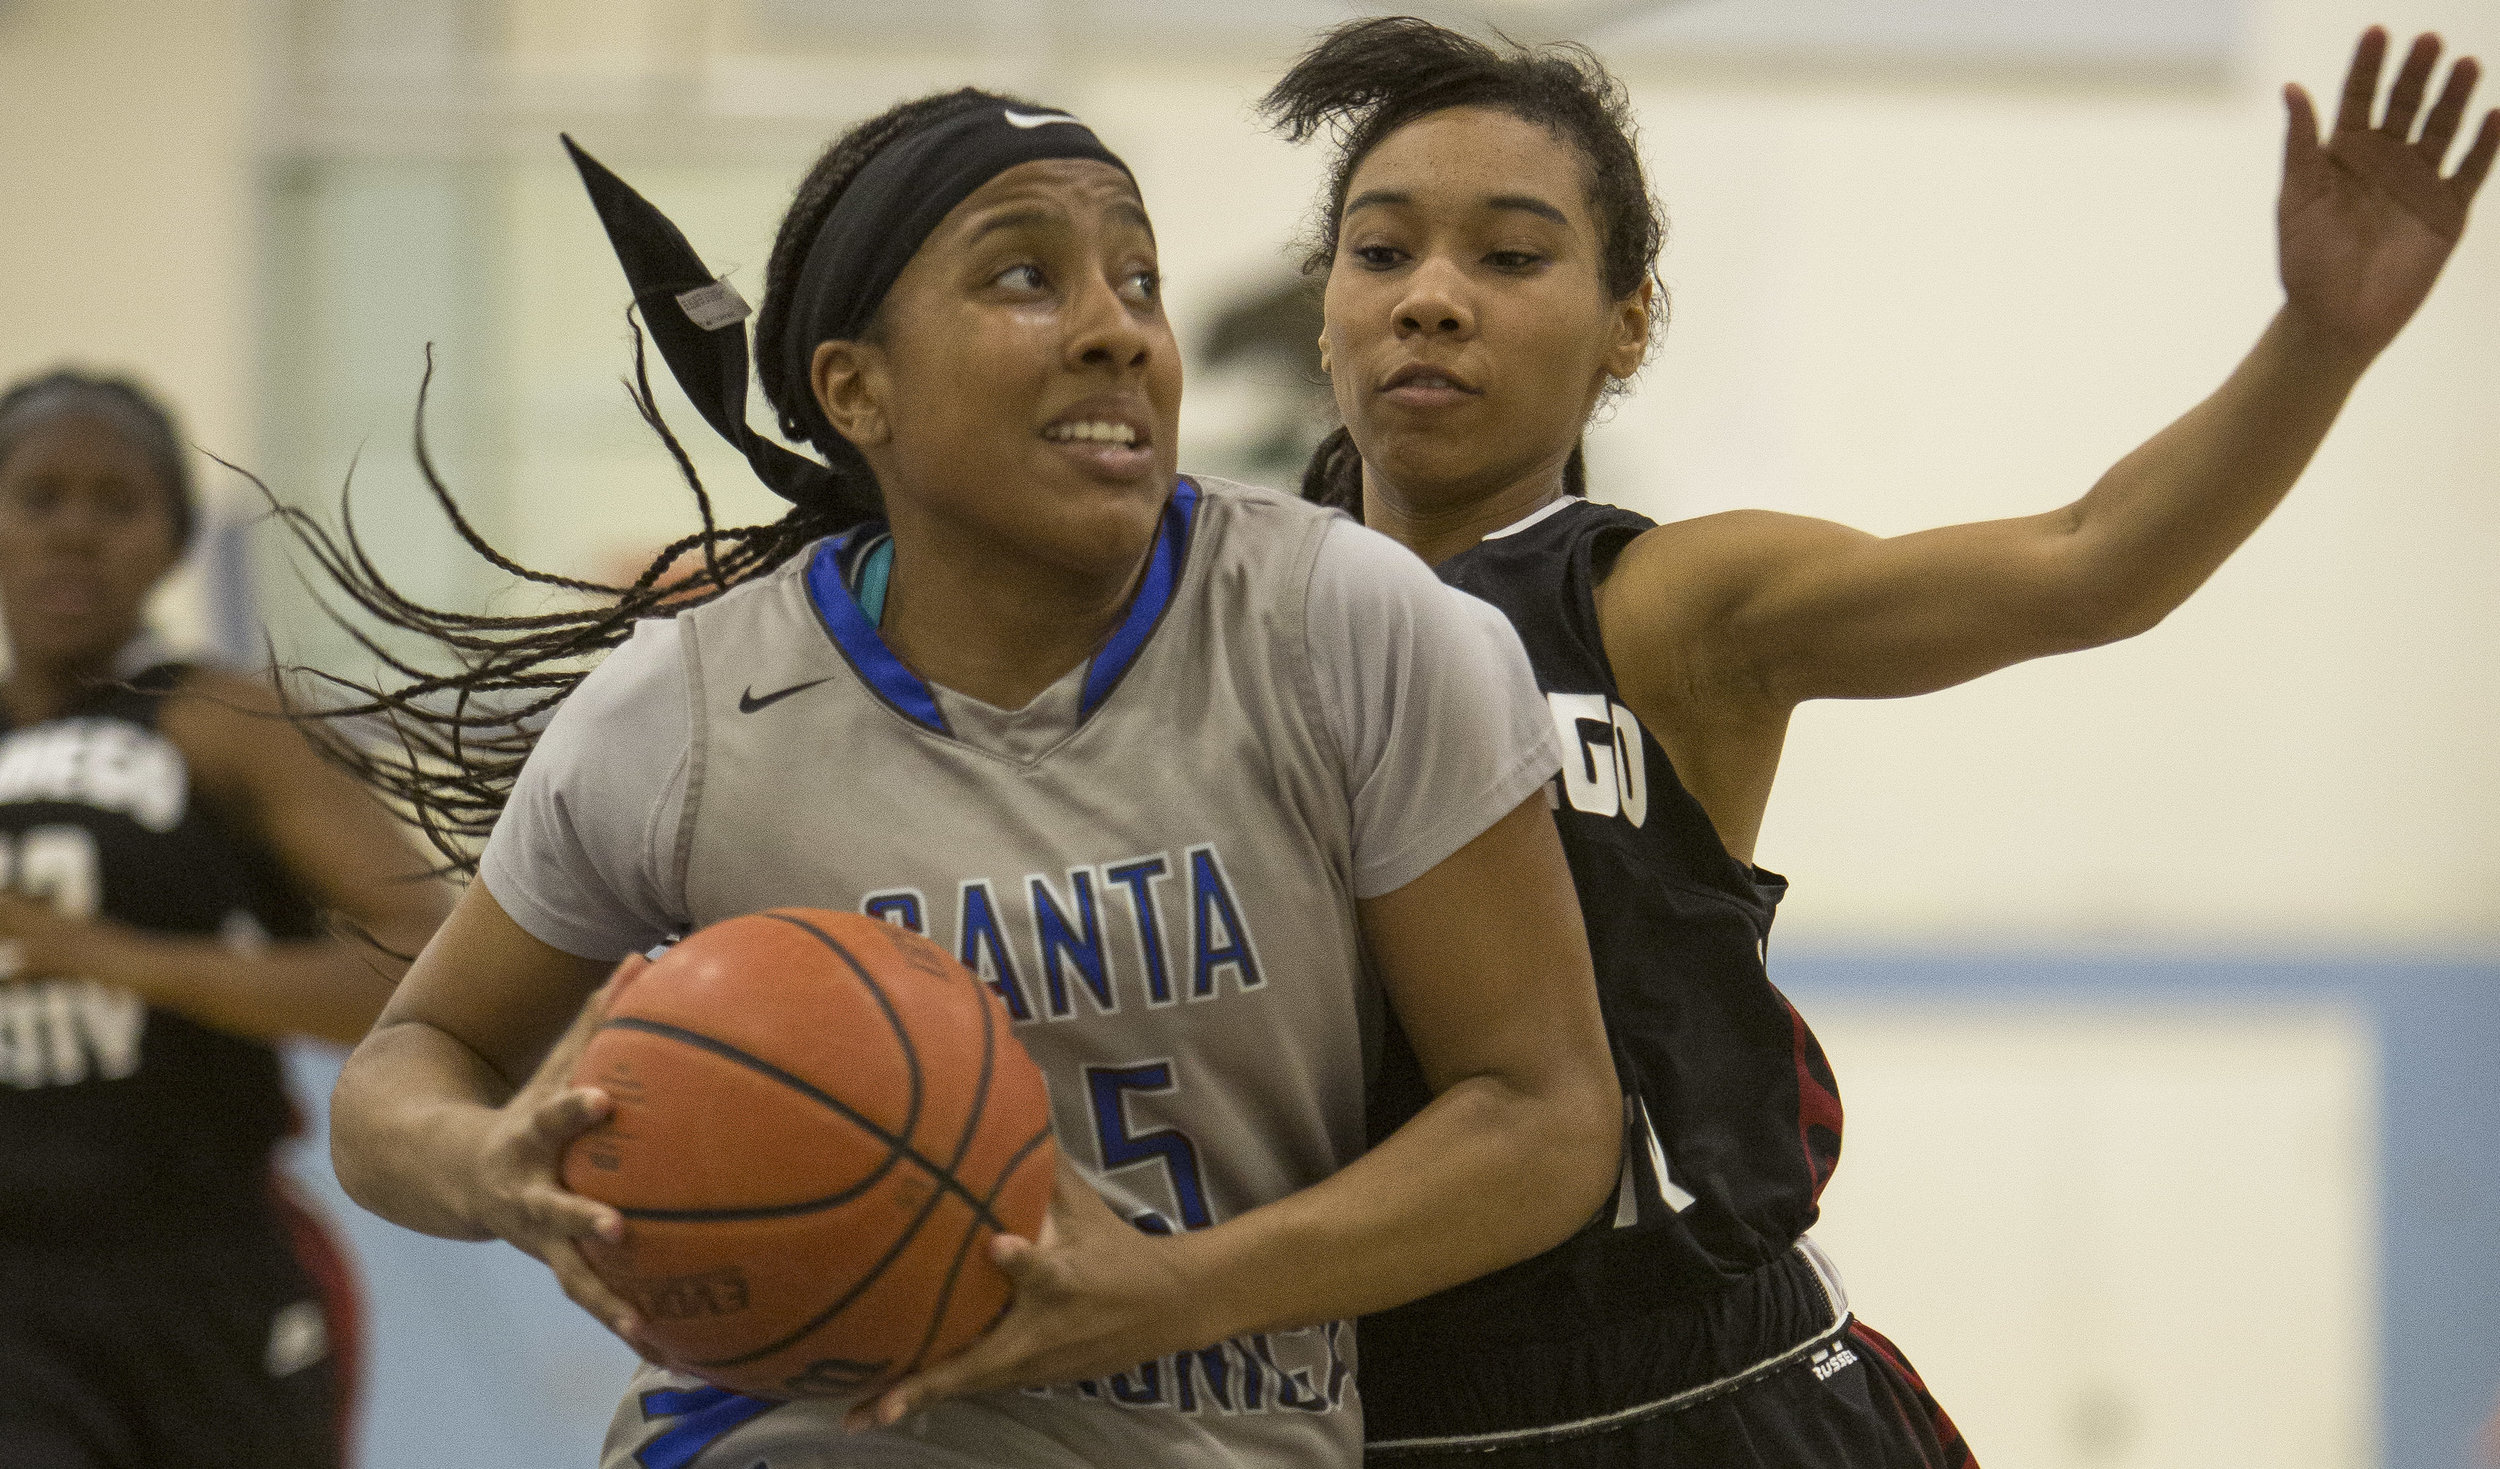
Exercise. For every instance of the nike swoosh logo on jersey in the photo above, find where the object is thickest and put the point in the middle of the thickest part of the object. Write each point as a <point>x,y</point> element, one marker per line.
<point>748,703</point>
<point>1034,119</point>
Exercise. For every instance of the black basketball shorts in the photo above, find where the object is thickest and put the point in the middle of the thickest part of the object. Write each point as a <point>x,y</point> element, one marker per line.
<point>231,1348</point>
<point>1854,1404</point>
<point>1774,1373</point>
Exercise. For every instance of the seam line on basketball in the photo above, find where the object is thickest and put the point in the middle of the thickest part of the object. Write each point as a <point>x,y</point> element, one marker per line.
<point>963,1146</point>
<point>980,1105</point>
<point>899,1150</point>
<point>893,1021</point>
<point>902,1241</point>
<point>963,1248</point>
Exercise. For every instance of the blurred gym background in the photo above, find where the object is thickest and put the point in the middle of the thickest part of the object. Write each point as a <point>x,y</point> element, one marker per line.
<point>2163,982</point>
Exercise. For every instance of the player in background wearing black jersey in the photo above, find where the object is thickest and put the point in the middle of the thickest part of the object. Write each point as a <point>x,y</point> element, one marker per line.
<point>1488,245</point>
<point>164,855</point>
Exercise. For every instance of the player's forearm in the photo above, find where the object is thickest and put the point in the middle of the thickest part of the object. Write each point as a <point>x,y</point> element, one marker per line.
<point>2166,516</point>
<point>406,1121</point>
<point>326,988</point>
<point>1487,1175</point>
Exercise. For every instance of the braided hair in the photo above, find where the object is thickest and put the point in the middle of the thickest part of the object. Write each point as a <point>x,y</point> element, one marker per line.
<point>134,412</point>
<point>461,736</point>
<point>1369,78</point>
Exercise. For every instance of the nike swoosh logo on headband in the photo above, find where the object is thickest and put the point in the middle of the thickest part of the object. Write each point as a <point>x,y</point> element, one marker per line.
<point>748,703</point>
<point>1034,119</point>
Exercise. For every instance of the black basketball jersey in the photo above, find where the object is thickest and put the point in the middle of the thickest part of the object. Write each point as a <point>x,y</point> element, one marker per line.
<point>115,1116</point>
<point>1732,1119</point>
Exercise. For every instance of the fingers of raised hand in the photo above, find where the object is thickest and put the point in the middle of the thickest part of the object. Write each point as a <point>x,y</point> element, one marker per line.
<point>2352,114</point>
<point>2404,101</point>
<point>2440,128</point>
<point>2475,166</point>
<point>2302,153</point>
<point>2413,76</point>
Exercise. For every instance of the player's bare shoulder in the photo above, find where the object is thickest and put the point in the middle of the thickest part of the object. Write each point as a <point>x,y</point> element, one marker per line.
<point>1713,560</point>
<point>1673,606</point>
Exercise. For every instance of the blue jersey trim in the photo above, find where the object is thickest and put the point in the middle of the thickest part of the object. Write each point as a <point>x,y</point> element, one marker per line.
<point>848,624</point>
<point>705,1416</point>
<point>851,617</point>
<point>1154,598</point>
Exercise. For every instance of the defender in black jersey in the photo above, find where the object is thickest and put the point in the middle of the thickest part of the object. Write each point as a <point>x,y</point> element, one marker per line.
<point>1721,1335</point>
<point>163,854</point>
<point>1489,245</point>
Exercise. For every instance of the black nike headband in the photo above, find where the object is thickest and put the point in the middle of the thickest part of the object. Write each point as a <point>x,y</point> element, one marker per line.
<point>872,232</point>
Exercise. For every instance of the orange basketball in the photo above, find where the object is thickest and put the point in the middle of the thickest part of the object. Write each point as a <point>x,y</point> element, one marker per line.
<point>821,1121</point>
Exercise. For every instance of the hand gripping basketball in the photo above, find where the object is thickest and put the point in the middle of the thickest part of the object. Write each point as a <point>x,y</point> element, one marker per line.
<point>820,1122</point>
<point>515,1192</point>
<point>1093,1294</point>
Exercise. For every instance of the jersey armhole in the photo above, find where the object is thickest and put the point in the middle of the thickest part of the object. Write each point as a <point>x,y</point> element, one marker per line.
<point>1604,546</point>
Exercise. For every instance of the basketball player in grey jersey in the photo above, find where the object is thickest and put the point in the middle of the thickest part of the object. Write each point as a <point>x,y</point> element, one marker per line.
<point>1155,863</point>
<point>1204,781</point>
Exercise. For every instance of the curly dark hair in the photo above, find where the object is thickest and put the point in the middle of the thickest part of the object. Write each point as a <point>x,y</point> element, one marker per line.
<point>1366,79</point>
<point>461,736</point>
<point>136,413</point>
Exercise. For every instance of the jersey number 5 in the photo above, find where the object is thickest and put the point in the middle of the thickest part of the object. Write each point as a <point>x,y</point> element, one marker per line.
<point>1108,1087</point>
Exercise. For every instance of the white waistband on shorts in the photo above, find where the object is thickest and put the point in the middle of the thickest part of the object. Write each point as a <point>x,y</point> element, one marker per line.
<point>1835,1296</point>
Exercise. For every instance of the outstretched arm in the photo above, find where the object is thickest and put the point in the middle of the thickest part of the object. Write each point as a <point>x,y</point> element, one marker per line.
<point>1774,609</point>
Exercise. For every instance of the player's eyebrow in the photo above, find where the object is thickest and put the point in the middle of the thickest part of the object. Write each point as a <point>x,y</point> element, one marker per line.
<point>1134,212</point>
<point>1128,210</point>
<point>1520,203</point>
<point>1528,204</point>
<point>1012,219</point>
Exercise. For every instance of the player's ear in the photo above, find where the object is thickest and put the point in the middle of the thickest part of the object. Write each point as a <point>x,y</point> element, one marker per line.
<point>851,383</point>
<point>1630,328</point>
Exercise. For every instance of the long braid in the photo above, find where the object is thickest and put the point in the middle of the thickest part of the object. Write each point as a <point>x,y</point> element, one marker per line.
<point>459,735</point>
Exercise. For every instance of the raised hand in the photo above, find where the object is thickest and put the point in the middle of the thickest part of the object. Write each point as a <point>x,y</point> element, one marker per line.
<point>2366,219</point>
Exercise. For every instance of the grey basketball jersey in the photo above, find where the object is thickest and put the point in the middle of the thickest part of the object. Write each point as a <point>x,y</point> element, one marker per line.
<point>1155,864</point>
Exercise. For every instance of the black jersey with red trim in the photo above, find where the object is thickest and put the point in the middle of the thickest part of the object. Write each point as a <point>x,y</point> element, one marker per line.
<point>116,1116</point>
<point>1732,1117</point>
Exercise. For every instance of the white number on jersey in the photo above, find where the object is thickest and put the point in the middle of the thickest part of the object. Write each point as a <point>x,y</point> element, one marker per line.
<point>1603,770</point>
<point>54,1031</point>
